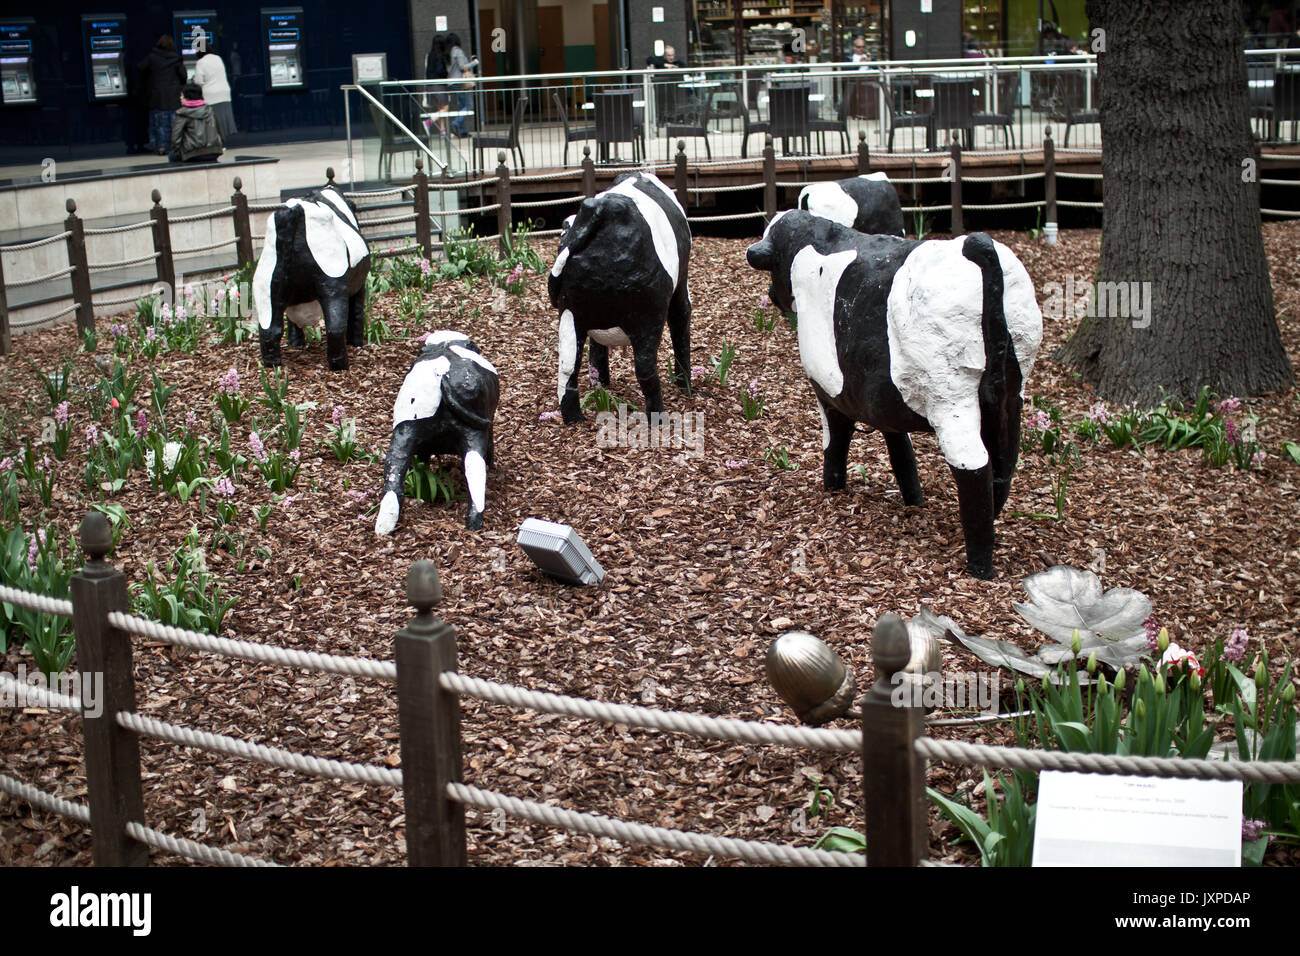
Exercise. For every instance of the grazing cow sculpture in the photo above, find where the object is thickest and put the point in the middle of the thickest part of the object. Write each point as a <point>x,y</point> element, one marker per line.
<point>314,261</point>
<point>621,272</point>
<point>445,407</point>
<point>868,203</point>
<point>910,336</point>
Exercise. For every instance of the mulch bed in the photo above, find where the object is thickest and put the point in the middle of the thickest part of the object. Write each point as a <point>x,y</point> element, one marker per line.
<point>707,558</point>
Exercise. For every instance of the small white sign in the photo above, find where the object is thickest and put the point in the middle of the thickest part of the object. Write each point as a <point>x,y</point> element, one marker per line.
<point>440,24</point>
<point>927,6</point>
<point>656,14</point>
<point>1092,819</point>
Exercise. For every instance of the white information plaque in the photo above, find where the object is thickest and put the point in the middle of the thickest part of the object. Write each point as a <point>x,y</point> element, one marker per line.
<point>1092,819</point>
<point>440,24</point>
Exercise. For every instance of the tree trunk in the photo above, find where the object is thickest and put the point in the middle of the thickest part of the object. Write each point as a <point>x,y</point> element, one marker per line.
<point>1182,210</point>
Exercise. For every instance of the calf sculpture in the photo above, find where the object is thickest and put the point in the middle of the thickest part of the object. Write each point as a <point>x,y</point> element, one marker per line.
<point>619,275</point>
<point>912,336</point>
<point>868,203</point>
<point>314,261</point>
<point>445,407</point>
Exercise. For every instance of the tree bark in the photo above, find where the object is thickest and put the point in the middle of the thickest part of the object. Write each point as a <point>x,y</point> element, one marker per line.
<point>1182,210</point>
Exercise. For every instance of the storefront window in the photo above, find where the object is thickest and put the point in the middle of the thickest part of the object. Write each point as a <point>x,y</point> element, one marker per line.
<point>770,24</point>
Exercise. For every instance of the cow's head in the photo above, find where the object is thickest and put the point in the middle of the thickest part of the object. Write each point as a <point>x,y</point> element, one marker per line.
<point>786,234</point>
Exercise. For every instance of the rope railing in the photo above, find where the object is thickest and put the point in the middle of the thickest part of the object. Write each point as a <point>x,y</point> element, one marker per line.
<point>40,696</point>
<point>1016,758</point>
<point>547,177</point>
<point>179,846</point>
<point>210,214</point>
<point>259,753</point>
<point>718,728</point>
<point>465,212</point>
<point>379,193</point>
<point>1018,177</point>
<point>468,184</point>
<point>980,207</point>
<point>122,263</point>
<point>1276,182</point>
<point>724,189</point>
<point>1080,205</point>
<point>28,323</point>
<point>36,243</point>
<point>246,650</point>
<point>113,230</point>
<point>1280,212</point>
<point>387,220</point>
<point>49,276</point>
<point>263,206</point>
<point>45,801</point>
<point>405,250</point>
<point>36,602</point>
<point>924,209</point>
<point>1061,175</point>
<point>212,245</point>
<point>727,218</point>
<point>546,202</point>
<point>628,832</point>
<point>122,301</point>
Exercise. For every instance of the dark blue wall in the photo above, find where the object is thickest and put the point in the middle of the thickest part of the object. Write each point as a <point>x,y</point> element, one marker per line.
<point>66,123</point>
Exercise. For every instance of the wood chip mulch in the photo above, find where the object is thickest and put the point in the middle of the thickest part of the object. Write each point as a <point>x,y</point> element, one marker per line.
<point>707,556</point>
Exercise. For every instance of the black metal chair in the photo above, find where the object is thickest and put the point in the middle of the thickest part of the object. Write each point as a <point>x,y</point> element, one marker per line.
<point>698,129</point>
<point>787,111</point>
<point>485,141</point>
<point>1285,107</point>
<point>899,120</point>
<point>838,125</point>
<point>392,142</point>
<point>616,123</point>
<point>749,126</point>
<point>953,109</point>
<point>1008,84</point>
<point>1069,96</point>
<point>572,134</point>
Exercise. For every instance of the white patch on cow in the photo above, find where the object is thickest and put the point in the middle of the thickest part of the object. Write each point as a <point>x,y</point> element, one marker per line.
<point>826,427</point>
<point>830,201</point>
<point>262,275</point>
<point>388,512</point>
<point>474,357</point>
<point>445,335</point>
<point>1020,305</point>
<point>877,176</point>
<point>656,181</point>
<point>936,345</point>
<point>814,279</point>
<point>338,202</point>
<point>610,338</point>
<point>305,315</point>
<point>560,260</point>
<point>333,245</point>
<point>421,390</point>
<point>568,351</point>
<point>661,230</point>
<point>774,221</point>
<point>476,478</point>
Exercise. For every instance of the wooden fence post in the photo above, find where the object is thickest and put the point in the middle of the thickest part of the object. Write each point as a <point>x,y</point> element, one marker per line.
<point>679,174</point>
<point>429,723</point>
<point>6,343</point>
<point>769,177</point>
<point>243,231</point>
<point>864,153</point>
<point>423,227</point>
<point>503,197</point>
<point>81,293</point>
<point>893,774</point>
<point>1049,188</point>
<point>104,652</point>
<point>588,173</point>
<point>162,244</point>
<point>955,154</point>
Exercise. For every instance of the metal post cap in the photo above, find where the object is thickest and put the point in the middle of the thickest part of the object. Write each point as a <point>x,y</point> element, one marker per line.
<point>70,205</point>
<point>810,677</point>
<point>501,157</point>
<point>329,173</point>
<point>586,152</point>
<point>96,536</point>
<point>239,184</point>
<point>681,146</point>
<point>891,648</point>
<point>423,589</point>
<point>156,196</point>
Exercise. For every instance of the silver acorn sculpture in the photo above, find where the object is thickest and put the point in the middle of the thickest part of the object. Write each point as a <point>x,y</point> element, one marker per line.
<point>810,677</point>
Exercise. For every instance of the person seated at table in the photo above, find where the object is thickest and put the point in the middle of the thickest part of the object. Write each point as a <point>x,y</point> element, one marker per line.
<point>195,135</point>
<point>666,62</point>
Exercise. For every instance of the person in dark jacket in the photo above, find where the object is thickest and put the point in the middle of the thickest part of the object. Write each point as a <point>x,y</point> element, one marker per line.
<point>195,135</point>
<point>162,75</point>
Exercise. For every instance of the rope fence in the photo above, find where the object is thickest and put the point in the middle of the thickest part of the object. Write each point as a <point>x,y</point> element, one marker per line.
<point>122,263</point>
<point>195,250</point>
<point>198,216</point>
<point>36,243</point>
<point>28,323</point>
<point>49,276</point>
<point>113,230</point>
<point>45,801</point>
<point>178,846</point>
<point>36,602</point>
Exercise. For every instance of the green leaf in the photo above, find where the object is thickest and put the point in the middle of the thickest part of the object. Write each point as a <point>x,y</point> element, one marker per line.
<point>842,840</point>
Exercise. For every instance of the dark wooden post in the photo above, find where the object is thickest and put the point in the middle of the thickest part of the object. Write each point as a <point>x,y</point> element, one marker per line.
<point>243,231</point>
<point>423,227</point>
<point>81,293</point>
<point>955,153</point>
<point>503,197</point>
<point>1049,188</point>
<point>429,723</point>
<point>6,343</point>
<point>864,152</point>
<point>162,244</point>
<point>679,173</point>
<point>769,177</point>
<point>893,773</point>
<point>112,752</point>
<point>588,173</point>
<point>1020,188</point>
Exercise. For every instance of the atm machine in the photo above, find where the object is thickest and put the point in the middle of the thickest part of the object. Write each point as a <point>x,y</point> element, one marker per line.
<point>284,40</point>
<point>193,30</point>
<point>18,61</point>
<point>103,37</point>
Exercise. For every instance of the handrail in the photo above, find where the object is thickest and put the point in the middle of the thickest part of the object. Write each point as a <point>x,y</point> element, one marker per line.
<point>399,124</point>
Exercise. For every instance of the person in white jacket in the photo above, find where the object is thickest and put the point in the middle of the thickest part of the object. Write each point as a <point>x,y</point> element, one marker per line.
<point>210,74</point>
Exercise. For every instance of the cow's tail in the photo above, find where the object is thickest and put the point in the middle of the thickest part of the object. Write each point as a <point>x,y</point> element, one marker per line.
<point>999,390</point>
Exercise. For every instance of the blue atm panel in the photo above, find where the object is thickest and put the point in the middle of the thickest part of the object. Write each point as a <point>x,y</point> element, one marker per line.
<point>193,31</point>
<point>103,38</point>
<point>18,61</point>
<point>284,42</point>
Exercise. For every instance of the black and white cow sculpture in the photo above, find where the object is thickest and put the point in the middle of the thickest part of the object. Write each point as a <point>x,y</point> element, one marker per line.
<point>868,203</point>
<point>620,274</point>
<point>445,407</point>
<point>912,336</point>
<point>314,261</point>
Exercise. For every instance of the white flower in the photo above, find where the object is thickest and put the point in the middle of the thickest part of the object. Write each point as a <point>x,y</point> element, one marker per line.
<point>1176,655</point>
<point>171,452</point>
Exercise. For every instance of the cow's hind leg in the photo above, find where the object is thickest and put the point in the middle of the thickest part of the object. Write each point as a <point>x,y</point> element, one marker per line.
<point>478,450</point>
<point>645,353</point>
<point>357,319</point>
<point>903,460</point>
<point>679,329</point>
<point>403,447</point>
<point>1000,430</point>
<point>837,432</point>
<point>271,335</point>
<point>599,356</point>
<point>293,332</point>
<point>975,496</point>
<point>571,344</point>
<point>336,322</point>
